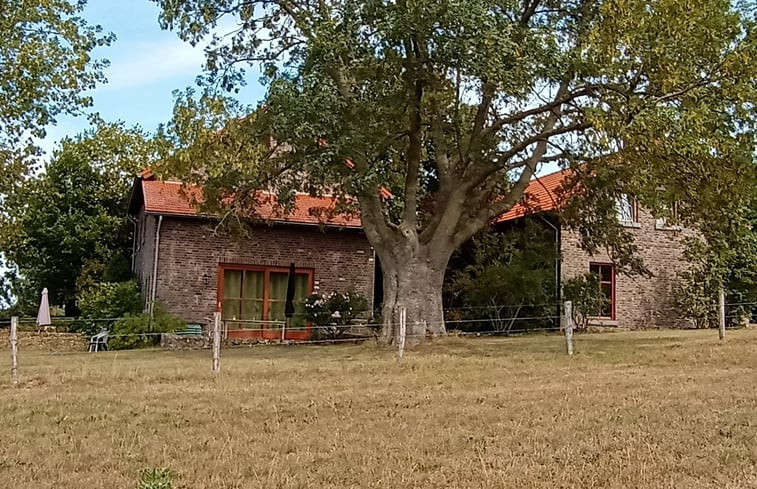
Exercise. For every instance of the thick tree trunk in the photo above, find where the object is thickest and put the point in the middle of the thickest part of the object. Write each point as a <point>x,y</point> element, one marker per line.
<point>413,283</point>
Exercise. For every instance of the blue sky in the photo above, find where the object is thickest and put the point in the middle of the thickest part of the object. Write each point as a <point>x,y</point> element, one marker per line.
<point>146,65</point>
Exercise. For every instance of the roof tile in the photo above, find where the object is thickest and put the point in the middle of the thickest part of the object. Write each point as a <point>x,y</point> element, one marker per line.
<point>541,195</point>
<point>176,198</point>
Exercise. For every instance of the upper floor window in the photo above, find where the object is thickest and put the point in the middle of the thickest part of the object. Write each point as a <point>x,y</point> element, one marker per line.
<point>627,209</point>
<point>670,220</point>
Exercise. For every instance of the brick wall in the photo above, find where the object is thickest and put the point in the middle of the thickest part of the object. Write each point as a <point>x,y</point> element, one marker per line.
<point>190,254</point>
<point>639,301</point>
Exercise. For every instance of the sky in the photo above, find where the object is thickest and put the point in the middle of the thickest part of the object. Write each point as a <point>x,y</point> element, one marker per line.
<point>146,65</point>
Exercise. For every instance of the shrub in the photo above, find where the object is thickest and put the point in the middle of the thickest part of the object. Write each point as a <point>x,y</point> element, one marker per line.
<point>505,278</point>
<point>334,313</point>
<point>134,331</point>
<point>106,300</point>
<point>110,300</point>
<point>587,298</point>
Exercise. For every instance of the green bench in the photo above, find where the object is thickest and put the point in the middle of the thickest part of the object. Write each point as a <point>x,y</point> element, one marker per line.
<point>190,330</point>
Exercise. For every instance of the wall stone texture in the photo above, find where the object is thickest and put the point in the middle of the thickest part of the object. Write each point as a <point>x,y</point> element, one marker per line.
<point>47,341</point>
<point>640,302</point>
<point>190,253</point>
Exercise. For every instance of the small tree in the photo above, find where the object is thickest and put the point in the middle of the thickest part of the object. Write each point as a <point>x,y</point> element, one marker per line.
<point>696,297</point>
<point>69,223</point>
<point>586,295</point>
<point>714,265</point>
<point>510,273</point>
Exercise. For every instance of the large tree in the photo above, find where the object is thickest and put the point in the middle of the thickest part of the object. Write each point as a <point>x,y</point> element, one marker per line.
<point>45,66</point>
<point>68,225</point>
<point>453,106</point>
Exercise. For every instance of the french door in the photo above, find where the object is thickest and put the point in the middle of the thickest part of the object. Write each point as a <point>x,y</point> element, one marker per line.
<point>252,301</point>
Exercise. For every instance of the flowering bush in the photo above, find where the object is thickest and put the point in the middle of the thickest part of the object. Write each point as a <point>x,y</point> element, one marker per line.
<point>332,314</point>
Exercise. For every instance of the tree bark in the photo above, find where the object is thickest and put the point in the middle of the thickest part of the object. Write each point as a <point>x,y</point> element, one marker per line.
<point>414,283</point>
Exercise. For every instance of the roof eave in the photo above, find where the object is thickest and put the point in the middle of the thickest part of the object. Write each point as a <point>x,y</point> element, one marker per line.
<point>274,221</point>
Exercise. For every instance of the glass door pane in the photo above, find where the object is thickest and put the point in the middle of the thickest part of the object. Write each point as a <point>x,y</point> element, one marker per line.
<point>301,292</point>
<point>277,293</point>
<point>232,294</point>
<point>252,304</point>
<point>232,284</point>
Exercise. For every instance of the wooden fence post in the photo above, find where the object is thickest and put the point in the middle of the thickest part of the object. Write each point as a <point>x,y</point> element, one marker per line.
<point>569,326</point>
<point>14,350</point>
<point>402,334</point>
<point>721,300</point>
<point>216,342</point>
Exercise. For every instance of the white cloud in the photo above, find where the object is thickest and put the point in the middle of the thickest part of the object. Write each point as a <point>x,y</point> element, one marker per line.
<point>141,64</point>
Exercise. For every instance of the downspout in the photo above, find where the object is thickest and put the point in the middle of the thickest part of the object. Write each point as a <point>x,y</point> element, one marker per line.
<point>557,268</point>
<point>155,266</point>
<point>133,242</point>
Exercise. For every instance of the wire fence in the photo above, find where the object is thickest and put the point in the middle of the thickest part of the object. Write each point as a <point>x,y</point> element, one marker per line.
<point>246,334</point>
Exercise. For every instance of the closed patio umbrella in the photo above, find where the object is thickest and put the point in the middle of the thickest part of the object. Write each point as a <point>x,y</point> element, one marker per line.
<point>43,316</point>
<point>289,306</point>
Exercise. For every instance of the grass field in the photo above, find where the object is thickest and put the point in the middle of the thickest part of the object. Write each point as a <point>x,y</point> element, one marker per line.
<point>639,409</point>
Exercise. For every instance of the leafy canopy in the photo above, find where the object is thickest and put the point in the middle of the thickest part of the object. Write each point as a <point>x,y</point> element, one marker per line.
<point>45,66</point>
<point>69,224</point>
<point>453,106</point>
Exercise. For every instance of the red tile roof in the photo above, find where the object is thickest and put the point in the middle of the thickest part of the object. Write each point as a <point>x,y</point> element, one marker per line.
<point>541,195</point>
<point>175,198</point>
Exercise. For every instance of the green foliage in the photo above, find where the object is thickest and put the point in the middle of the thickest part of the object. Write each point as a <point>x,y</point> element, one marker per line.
<point>156,479</point>
<point>67,227</point>
<point>137,330</point>
<point>332,314</point>
<point>109,300</point>
<point>511,274</point>
<point>446,94</point>
<point>106,301</point>
<point>712,266</point>
<point>585,294</point>
<point>696,297</point>
<point>45,67</point>
<point>453,105</point>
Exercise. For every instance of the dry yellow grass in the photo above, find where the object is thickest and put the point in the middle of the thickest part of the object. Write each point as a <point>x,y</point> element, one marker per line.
<point>642,409</point>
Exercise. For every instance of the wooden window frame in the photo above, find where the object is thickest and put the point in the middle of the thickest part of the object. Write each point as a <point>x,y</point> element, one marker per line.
<point>634,210</point>
<point>612,287</point>
<point>267,270</point>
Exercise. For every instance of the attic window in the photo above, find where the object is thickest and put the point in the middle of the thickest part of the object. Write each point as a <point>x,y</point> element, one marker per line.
<point>670,220</point>
<point>627,209</point>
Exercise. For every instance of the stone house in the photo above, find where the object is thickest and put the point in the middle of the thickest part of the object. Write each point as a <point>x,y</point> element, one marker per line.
<point>190,270</point>
<point>633,301</point>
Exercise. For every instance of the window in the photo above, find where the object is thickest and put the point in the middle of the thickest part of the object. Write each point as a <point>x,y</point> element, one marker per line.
<point>606,274</point>
<point>250,294</point>
<point>670,221</point>
<point>627,209</point>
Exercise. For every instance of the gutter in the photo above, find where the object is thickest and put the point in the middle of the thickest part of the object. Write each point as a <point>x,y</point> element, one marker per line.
<point>155,266</point>
<point>133,241</point>
<point>264,222</point>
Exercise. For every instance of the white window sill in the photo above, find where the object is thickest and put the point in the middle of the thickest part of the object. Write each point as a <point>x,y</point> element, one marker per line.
<point>602,322</point>
<point>630,224</point>
<point>664,227</point>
